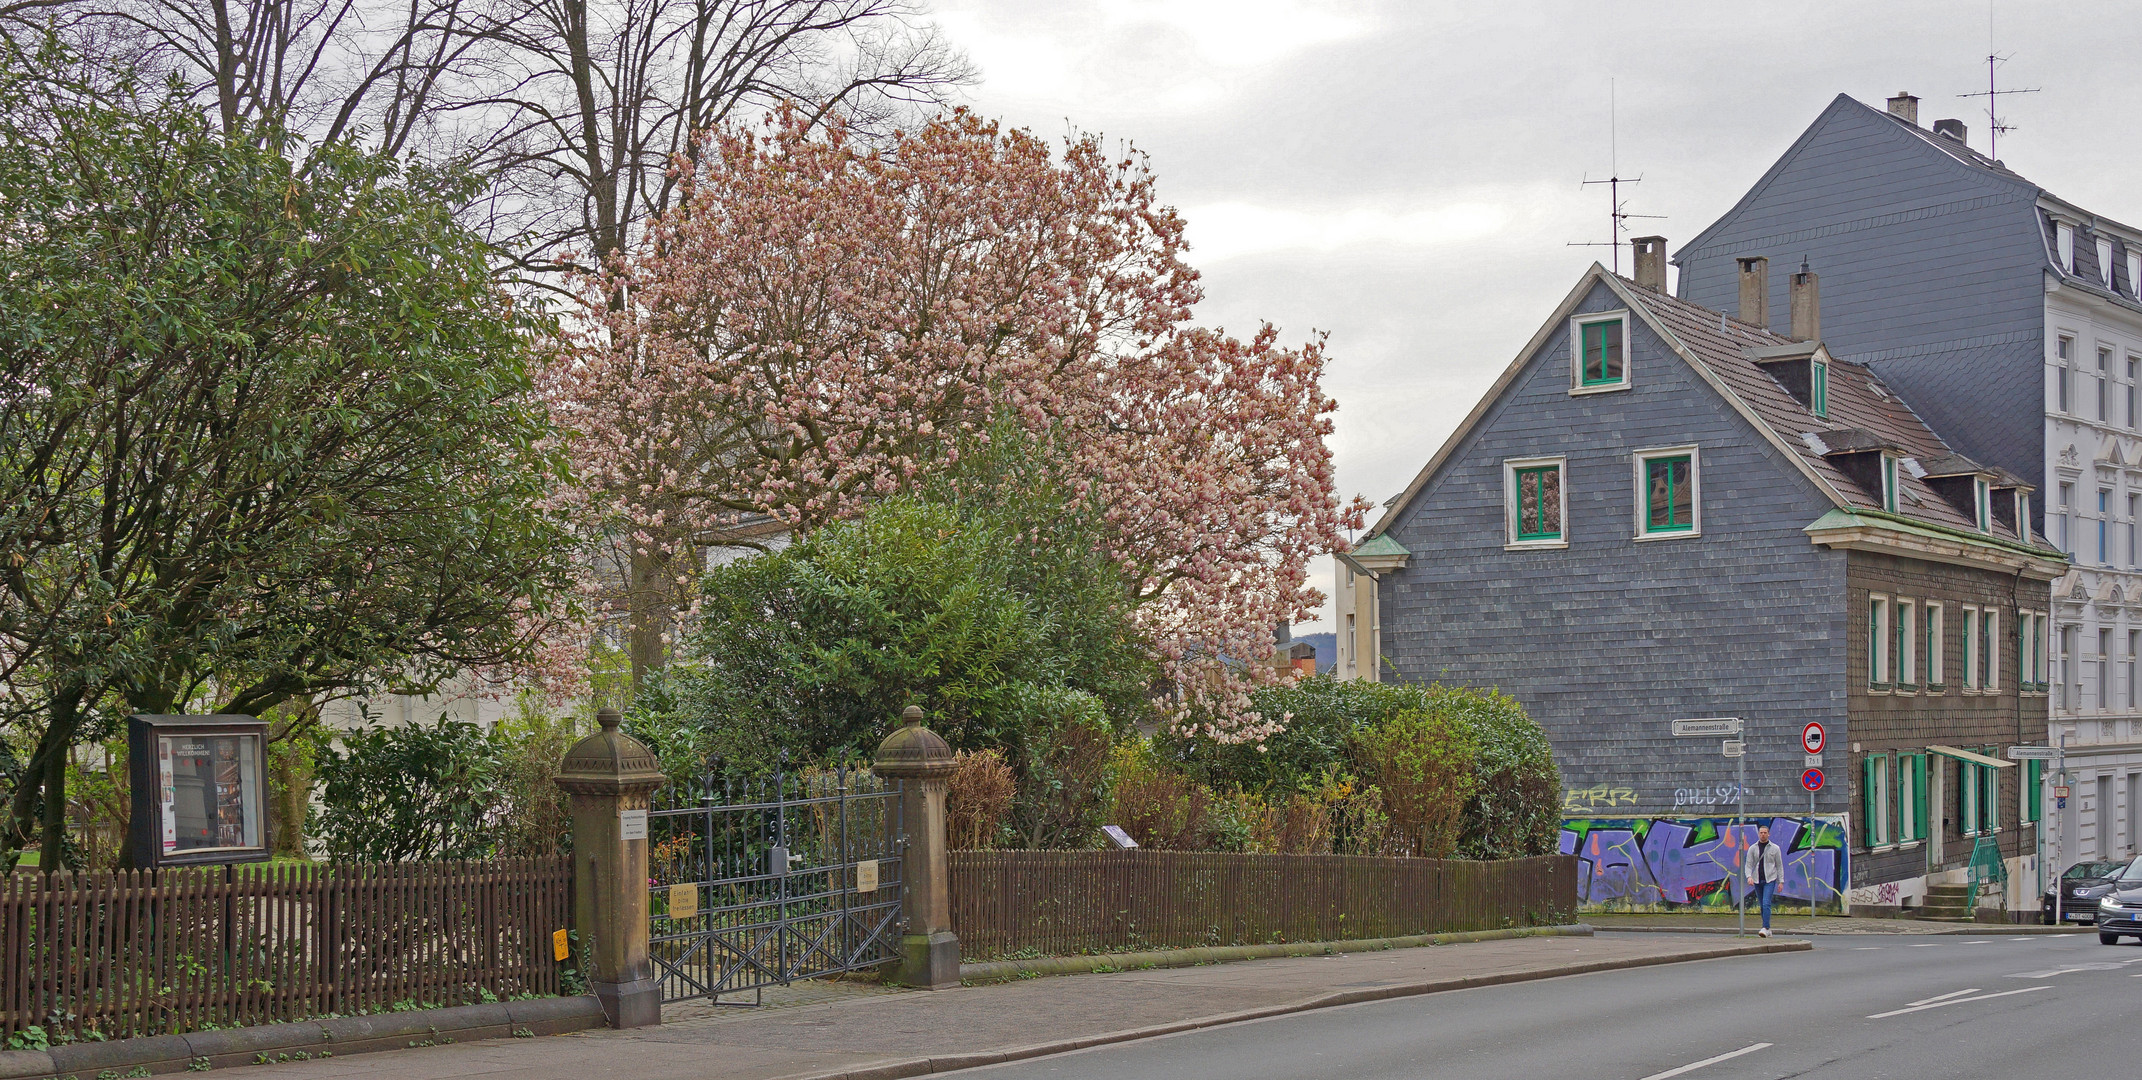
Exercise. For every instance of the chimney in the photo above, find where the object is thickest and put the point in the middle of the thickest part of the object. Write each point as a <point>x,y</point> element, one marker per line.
<point>1806,293</point>
<point>1954,129</point>
<point>1905,107</point>
<point>1755,291</point>
<point>1650,262</point>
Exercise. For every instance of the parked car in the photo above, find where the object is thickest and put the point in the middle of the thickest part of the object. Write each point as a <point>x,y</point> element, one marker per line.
<point>2119,911</point>
<point>2082,884</point>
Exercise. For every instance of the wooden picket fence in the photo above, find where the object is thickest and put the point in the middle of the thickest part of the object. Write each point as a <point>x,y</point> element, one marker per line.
<point>1055,903</point>
<point>129,953</point>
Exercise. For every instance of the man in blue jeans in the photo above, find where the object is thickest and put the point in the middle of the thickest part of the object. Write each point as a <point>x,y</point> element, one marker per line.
<point>1762,868</point>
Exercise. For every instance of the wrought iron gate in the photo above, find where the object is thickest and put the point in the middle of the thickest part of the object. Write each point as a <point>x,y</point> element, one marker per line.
<point>757,883</point>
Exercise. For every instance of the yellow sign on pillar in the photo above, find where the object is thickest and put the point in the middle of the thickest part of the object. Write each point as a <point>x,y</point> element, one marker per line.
<point>559,947</point>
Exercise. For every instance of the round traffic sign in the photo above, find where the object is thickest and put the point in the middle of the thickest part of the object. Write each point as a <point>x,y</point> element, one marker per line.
<point>1811,779</point>
<point>1811,737</point>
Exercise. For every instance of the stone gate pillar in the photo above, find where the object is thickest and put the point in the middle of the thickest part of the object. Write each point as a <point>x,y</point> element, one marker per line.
<point>922,762</point>
<point>611,774</point>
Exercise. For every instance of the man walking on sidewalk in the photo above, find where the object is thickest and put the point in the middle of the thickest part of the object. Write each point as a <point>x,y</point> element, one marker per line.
<point>1761,870</point>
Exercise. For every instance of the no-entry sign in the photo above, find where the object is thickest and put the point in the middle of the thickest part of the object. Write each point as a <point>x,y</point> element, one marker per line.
<point>1811,738</point>
<point>1811,779</point>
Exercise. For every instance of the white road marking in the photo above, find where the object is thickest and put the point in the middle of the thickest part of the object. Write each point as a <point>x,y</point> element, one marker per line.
<point>1867,948</point>
<point>1954,1001</point>
<point>1958,993</point>
<point>1694,1065</point>
<point>2050,972</point>
<point>1927,945</point>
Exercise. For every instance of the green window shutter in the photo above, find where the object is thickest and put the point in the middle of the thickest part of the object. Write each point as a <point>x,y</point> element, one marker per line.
<point>1866,801</point>
<point>2034,776</point>
<point>1918,795</point>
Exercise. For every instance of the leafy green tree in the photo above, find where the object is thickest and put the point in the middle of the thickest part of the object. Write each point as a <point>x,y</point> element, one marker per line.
<point>265,426</point>
<point>815,649</point>
<point>395,794</point>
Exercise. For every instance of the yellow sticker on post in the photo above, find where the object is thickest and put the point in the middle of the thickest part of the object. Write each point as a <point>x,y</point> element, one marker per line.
<point>559,947</point>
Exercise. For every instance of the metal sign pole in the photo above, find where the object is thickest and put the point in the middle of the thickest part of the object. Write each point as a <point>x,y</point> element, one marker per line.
<point>1740,813</point>
<point>1811,854</point>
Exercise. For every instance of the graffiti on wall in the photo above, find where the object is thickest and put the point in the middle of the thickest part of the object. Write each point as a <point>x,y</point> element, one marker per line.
<point>1680,862</point>
<point>1578,800</point>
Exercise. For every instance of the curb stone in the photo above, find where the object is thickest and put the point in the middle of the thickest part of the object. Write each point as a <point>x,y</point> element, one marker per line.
<point>898,1070</point>
<point>314,1038</point>
<point>999,970</point>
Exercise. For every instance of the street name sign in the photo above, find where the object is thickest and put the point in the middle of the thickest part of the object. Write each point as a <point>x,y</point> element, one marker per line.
<point>2032,753</point>
<point>1811,779</point>
<point>1708,726</point>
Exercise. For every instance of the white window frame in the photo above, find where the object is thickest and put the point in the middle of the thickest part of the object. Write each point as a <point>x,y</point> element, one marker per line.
<point>1936,628</point>
<point>2104,260</point>
<point>1510,466</point>
<point>1982,500</point>
<point>1882,801</point>
<point>2064,245</point>
<point>1643,495</point>
<point>2134,271</point>
<point>1973,644</point>
<point>1577,323</point>
<point>1880,620</point>
<point>2064,373</point>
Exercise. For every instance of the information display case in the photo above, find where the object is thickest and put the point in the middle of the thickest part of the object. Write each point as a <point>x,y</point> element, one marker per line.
<point>199,790</point>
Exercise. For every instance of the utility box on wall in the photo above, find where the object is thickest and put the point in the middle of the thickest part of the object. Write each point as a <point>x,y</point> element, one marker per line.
<point>199,790</point>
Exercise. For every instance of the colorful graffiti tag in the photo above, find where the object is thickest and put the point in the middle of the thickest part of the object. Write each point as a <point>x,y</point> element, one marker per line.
<point>1682,862</point>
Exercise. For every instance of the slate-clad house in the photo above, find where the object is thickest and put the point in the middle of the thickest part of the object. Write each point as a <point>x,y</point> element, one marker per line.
<point>1659,511</point>
<point>2010,319</point>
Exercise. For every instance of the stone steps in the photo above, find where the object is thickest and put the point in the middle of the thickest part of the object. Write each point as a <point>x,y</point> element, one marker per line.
<point>1949,903</point>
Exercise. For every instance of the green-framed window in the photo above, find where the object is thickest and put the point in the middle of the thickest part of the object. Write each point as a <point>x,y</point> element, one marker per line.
<point>1889,483</point>
<point>1907,675</point>
<point>1876,800</point>
<point>1971,648</point>
<point>1984,503</point>
<point>1967,792</point>
<point>1911,797</point>
<point>1989,793</point>
<point>1539,502</point>
<point>1990,678</point>
<point>1603,356</point>
<point>1818,389</point>
<point>1669,493</point>
<point>1935,660</point>
<point>1878,642</point>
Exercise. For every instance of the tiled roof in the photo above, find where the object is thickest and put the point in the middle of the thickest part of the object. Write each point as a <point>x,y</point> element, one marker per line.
<point>1862,412</point>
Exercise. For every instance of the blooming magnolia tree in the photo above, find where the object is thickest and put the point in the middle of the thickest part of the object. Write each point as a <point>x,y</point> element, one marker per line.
<point>820,323</point>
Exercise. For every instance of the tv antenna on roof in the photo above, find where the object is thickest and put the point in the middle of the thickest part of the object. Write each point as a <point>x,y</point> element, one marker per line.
<point>1617,210</point>
<point>1993,94</point>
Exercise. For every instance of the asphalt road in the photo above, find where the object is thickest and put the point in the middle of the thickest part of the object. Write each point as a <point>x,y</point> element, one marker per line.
<point>1858,1007</point>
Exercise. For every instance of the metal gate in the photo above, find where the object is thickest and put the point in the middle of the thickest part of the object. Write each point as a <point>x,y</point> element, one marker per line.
<point>757,883</point>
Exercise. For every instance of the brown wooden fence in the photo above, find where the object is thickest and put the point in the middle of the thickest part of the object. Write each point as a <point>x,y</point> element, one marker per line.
<point>131,953</point>
<point>1056,903</point>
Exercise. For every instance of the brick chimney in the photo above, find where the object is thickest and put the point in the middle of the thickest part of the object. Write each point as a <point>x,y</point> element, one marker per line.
<point>1805,290</point>
<point>1905,107</point>
<point>1650,262</point>
<point>1954,129</point>
<point>1754,291</point>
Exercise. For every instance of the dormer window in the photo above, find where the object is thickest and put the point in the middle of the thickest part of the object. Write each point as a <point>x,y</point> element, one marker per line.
<point>2134,271</point>
<point>2064,245</point>
<point>1599,357</point>
<point>2104,260</point>
<point>1984,501</point>
<point>2023,528</point>
<point>1818,389</point>
<point>1889,483</point>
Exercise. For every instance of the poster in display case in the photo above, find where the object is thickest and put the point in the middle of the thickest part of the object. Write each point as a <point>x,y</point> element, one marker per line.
<point>199,790</point>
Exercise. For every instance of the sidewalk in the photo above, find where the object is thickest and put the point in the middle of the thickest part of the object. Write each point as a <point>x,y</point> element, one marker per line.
<point>1781,923</point>
<point>856,1031</point>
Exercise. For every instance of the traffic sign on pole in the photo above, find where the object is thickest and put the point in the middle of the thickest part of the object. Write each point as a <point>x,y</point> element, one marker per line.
<point>1811,737</point>
<point>1733,747</point>
<point>1811,779</point>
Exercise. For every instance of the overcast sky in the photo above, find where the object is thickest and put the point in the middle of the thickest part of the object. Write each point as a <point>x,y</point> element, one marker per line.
<point>1406,175</point>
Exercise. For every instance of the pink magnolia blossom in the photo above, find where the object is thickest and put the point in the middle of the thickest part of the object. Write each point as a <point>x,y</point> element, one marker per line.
<point>818,320</point>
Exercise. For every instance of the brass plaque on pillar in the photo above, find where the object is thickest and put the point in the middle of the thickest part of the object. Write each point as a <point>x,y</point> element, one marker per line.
<point>866,876</point>
<point>683,901</point>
